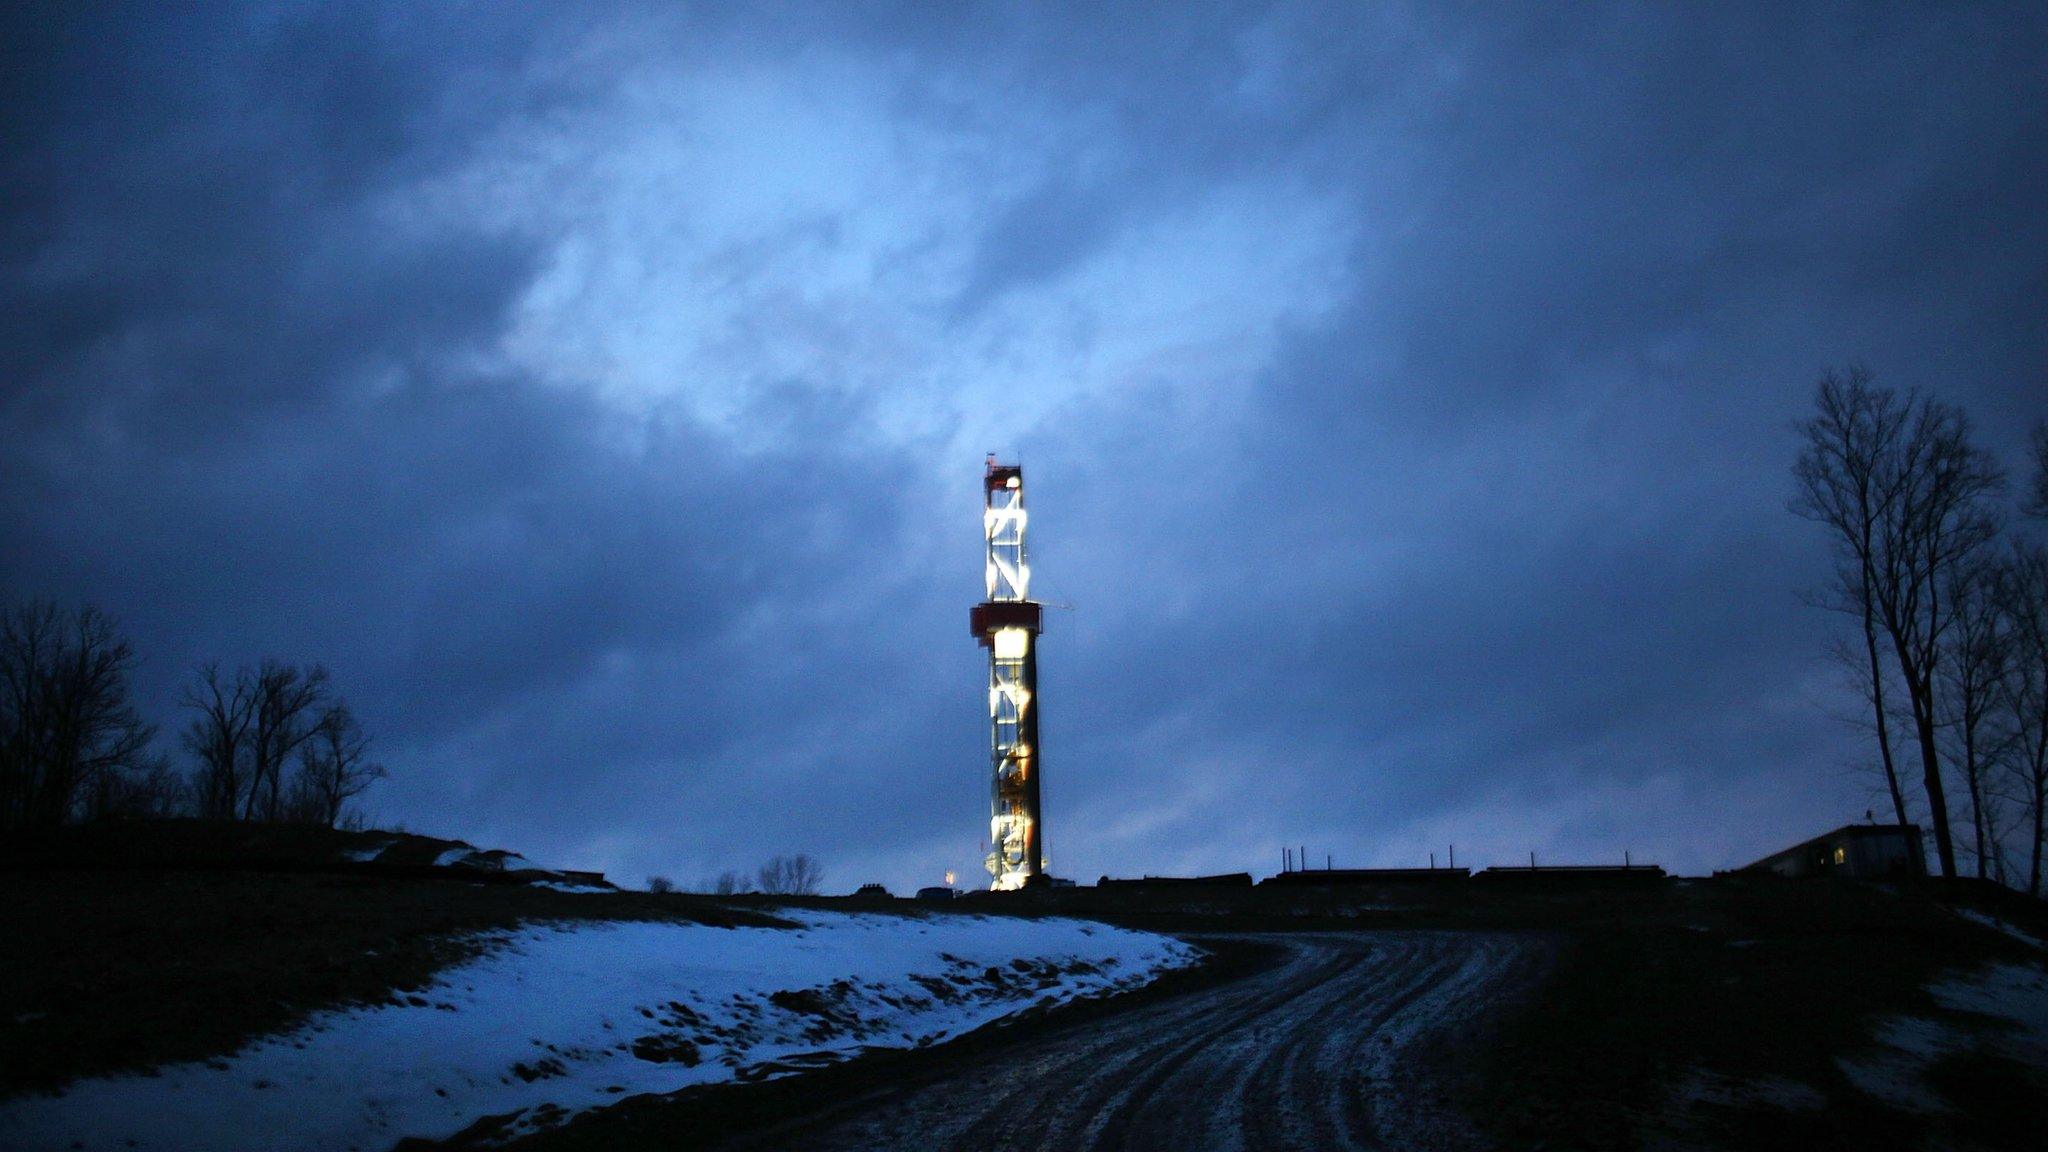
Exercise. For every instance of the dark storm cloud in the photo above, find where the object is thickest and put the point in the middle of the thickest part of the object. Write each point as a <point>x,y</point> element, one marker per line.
<point>244,408</point>
<point>1622,248</point>
<point>1489,541</point>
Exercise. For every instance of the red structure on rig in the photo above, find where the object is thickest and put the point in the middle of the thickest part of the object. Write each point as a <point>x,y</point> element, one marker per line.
<point>1007,624</point>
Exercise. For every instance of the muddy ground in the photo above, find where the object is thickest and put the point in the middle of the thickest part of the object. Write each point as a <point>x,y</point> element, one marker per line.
<point>1315,1050</point>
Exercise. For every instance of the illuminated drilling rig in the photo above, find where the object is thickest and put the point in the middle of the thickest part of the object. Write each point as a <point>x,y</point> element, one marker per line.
<point>1007,624</point>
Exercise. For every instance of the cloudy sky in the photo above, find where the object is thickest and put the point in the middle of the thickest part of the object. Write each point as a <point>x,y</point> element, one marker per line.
<point>1404,393</point>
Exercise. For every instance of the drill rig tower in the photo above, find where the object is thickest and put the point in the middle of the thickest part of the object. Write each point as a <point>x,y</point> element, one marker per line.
<point>1007,624</point>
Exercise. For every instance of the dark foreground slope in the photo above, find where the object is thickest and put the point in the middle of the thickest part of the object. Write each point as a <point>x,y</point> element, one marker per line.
<point>1709,1014</point>
<point>179,942</point>
<point>1690,1014</point>
<point>1733,1014</point>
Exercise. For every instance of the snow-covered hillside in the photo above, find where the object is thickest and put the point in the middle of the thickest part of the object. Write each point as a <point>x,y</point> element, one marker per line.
<point>560,1018</point>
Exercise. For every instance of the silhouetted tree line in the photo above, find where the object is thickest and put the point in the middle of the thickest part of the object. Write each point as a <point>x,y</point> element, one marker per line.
<point>1949,599</point>
<point>269,742</point>
<point>798,875</point>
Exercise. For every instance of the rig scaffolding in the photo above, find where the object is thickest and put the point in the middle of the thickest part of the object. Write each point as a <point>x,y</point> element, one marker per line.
<point>1007,624</point>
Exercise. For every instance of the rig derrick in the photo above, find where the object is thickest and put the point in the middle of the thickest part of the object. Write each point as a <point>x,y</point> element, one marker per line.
<point>1008,624</point>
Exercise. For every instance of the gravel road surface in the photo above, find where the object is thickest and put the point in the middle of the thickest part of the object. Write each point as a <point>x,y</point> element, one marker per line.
<point>1319,1051</point>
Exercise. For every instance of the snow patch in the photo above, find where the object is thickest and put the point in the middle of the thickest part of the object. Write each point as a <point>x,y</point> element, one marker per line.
<point>2015,994</point>
<point>563,1017</point>
<point>1895,1070</point>
<point>1997,925</point>
<point>2013,997</point>
<point>453,855</point>
<point>1745,1092</point>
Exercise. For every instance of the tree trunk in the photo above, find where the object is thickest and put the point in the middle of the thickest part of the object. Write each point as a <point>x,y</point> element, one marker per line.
<point>1920,694</point>
<point>2034,873</point>
<point>2037,777</point>
<point>1937,799</point>
<point>1970,770</point>
<point>1884,735</point>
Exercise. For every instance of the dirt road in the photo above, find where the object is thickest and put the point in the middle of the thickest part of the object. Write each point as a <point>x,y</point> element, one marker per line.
<point>1317,1052</point>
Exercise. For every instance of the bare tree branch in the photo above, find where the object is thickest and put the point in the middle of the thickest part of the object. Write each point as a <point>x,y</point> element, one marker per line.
<point>66,723</point>
<point>1906,498</point>
<point>286,700</point>
<point>2023,595</point>
<point>797,875</point>
<point>218,737</point>
<point>334,768</point>
<point>2036,503</point>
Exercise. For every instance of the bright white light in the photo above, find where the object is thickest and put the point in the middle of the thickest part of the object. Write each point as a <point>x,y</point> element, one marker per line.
<point>1011,643</point>
<point>1014,579</point>
<point>1018,696</point>
<point>1005,522</point>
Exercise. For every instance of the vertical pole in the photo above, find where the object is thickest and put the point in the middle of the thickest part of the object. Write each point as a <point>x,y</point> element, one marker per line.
<point>1027,735</point>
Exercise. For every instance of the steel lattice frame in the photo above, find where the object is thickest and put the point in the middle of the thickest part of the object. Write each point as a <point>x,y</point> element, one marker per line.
<point>1007,624</point>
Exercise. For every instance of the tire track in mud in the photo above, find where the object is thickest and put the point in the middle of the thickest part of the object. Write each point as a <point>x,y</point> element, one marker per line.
<point>1318,1051</point>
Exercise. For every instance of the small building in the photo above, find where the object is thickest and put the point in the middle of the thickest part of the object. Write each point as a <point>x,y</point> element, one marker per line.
<point>937,892</point>
<point>1864,851</point>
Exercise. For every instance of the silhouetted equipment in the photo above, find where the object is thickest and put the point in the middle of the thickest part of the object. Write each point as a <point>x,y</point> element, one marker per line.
<point>1860,850</point>
<point>1226,880</point>
<point>935,892</point>
<point>1007,624</point>
<point>1332,877</point>
<point>1574,872</point>
<point>872,892</point>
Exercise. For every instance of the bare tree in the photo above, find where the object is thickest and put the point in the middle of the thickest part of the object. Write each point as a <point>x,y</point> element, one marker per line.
<point>65,715</point>
<point>285,706</point>
<point>1973,682</point>
<point>149,789</point>
<point>797,875</point>
<point>334,767</point>
<point>660,885</point>
<point>1841,487</point>
<point>1944,521</point>
<point>2024,595</point>
<point>2036,502</point>
<point>729,883</point>
<point>1906,495</point>
<point>249,727</point>
<point>218,736</point>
